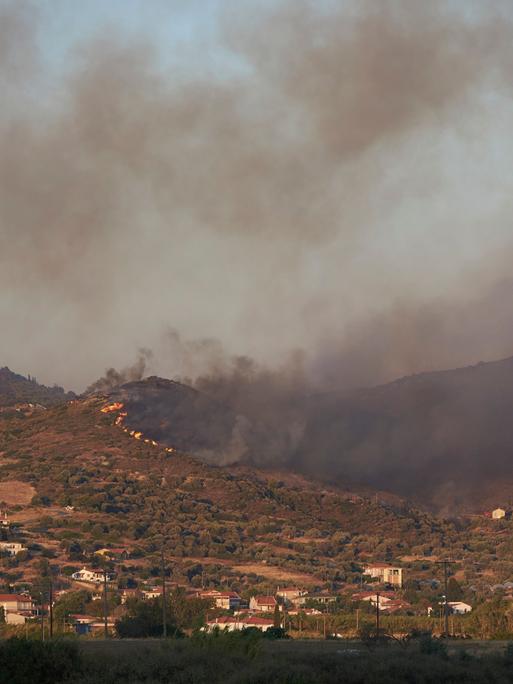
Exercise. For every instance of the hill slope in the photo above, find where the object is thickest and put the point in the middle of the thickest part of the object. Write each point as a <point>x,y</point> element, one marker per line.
<point>128,492</point>
<point>16,389</point>
<point>445,437</point>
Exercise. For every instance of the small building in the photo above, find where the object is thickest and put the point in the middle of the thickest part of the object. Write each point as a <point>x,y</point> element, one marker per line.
<point>231,624</point>
<point>92,576</point>
<point>387,574</point>
<point>498,514</point>
<point>127,594</point>
<point>263,604</point>
<point>12,618</point>
<point>373,597</point>
<point>114,554</point>
<point>290,594</point>
<point>12,548</point>
<point>150,594</point>
<point>15,603</point>
<point>228,600</point>
<point>459,607</point>
<point>82,624</point>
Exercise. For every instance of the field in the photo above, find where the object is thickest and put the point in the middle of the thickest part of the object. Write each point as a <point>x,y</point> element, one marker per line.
<point>252,659</point>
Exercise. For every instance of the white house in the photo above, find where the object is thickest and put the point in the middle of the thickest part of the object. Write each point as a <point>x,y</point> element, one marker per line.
<point>93,576</point>
<point>498,513</point>
<point>12,548</point>
<point>227,622</point>
<point>387,574</point>
<point>290,594</point>
<point>458,607</point>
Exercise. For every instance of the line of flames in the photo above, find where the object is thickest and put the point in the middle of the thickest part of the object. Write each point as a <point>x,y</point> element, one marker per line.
<point>136,434</point>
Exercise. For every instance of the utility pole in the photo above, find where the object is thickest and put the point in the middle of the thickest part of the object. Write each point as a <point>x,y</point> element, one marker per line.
<point>324,625</point>
<point>377,615</point>
<point>105,605</point>
<point>50,592</point>
<point>42,617</point>
<point>445,564</point>
<point>164,616</point>
<point>357,619</point>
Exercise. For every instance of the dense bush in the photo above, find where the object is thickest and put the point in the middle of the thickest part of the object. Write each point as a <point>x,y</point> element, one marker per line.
<point>24,661</point>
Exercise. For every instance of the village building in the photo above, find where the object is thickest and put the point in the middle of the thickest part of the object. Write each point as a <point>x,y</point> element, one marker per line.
<point>384,598</point>
<point>16,603</point>
<point>290,595</point>
<point>498,513</point>
<point>115,554</point>
<point>459,607</point>
<point>231,624</point>
<point>92,576</point>
<point>228,600</point>
<point>150,594</point>
<point>263,604</point>
<point>12,548</point>
<point>387,574</point>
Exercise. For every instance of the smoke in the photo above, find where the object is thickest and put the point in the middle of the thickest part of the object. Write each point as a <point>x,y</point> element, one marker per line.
<point>114,378</point>
<point>336,183</point>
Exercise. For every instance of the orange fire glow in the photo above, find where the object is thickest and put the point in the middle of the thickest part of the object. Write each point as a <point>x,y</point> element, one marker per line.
<point>112,407</point>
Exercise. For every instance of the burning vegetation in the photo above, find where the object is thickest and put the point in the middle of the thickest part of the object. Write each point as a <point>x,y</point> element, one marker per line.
<point>116,407</point>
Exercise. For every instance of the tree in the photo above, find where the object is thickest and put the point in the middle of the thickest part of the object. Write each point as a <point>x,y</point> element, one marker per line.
<point>277,616</point>
<point>144,619</point>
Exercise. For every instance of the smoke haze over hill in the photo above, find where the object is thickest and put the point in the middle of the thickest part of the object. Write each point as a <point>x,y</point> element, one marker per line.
<point>326,177</point>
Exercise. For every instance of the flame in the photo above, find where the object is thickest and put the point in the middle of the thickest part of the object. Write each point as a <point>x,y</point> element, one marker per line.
<point>116,406</point>
<point>136,434</point>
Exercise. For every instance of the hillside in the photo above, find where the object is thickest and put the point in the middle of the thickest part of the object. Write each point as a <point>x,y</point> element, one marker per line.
<point>445,438</point>
<point>234,523</point>
<point>442,439</point>
<point>75,478</point>
<point>16,389</point>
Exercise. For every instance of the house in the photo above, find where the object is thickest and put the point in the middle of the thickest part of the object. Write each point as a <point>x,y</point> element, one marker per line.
<point>82,624</point>
<point>153,593</point>
<point>13,618</point>
<point>393,605</point>
<point>372,597</point>
<point>498,513</point>
<point>93,576</point>
<point>458,607</point>
<point>386,574</point>
<point>322,598</point>
<point>12,548</point>
<point>290,594</point>
<point>264,604</point>
<point>304,611</point>
<point>15,603</point>
<point>228,600</point>
<point>129,594</point>
<point>226,622</point>
<point>114,554</point>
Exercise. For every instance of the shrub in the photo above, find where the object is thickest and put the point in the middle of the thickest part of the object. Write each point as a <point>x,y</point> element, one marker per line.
<point>26,660</point>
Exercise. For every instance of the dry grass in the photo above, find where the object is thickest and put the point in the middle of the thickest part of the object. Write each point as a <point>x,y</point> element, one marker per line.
<point>16,493</point>
<point>274,573</point>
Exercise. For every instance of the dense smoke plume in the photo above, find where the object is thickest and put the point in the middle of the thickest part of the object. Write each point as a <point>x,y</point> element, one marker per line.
<point>323,187</point>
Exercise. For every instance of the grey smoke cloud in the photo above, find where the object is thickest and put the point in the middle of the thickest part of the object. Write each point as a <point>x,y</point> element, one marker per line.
<point>342,190</point>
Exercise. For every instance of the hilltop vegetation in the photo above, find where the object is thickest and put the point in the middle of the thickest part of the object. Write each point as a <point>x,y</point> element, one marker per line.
<point>17,389</point>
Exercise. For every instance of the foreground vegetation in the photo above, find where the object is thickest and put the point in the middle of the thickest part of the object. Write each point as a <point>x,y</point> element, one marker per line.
<point>250,659</point>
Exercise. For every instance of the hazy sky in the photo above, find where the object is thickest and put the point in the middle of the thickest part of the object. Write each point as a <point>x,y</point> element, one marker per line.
<point>332,177</point>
